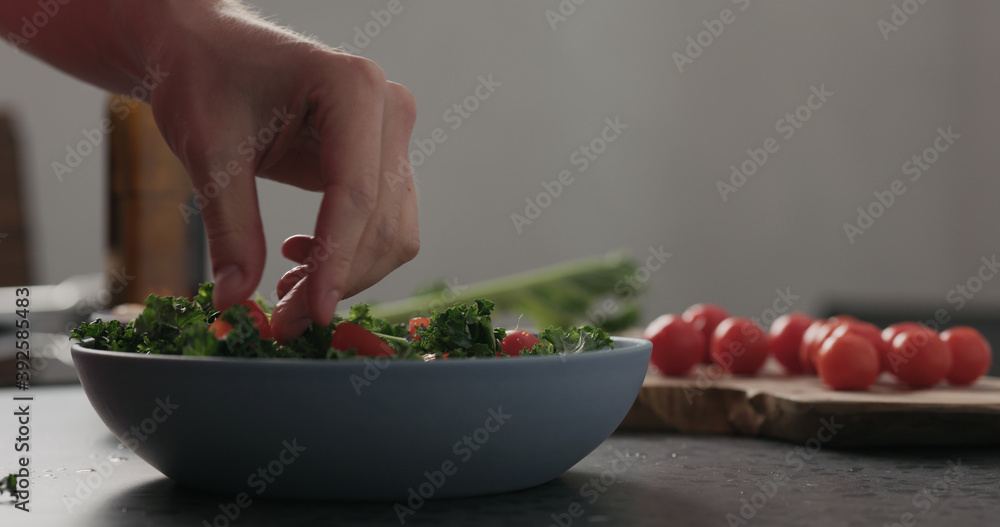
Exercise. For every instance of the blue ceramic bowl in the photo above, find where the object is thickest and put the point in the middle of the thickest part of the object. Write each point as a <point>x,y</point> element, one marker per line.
<point>363,430</point>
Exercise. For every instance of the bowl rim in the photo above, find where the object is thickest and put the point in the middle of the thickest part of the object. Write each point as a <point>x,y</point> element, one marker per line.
<point>622,345</point>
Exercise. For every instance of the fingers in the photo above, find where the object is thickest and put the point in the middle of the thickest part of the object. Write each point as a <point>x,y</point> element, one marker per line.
<point>234,230</point>
<point>367,224</point>
<point>290,316</point>
<point>289,280</point>
<point>297,248</point>
<point>391,237</point>
<point>350,132</point>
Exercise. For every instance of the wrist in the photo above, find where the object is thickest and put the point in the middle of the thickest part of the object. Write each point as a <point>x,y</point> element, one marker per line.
<point>159,34</point>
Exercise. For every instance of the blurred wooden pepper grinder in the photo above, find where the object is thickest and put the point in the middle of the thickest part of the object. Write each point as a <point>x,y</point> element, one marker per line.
<point>156,241</point>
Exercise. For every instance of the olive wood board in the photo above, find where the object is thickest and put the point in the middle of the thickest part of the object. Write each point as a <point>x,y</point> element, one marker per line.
<point>800,408</point>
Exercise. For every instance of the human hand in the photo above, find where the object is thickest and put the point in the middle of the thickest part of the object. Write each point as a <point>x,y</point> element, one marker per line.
<point>321,120</point>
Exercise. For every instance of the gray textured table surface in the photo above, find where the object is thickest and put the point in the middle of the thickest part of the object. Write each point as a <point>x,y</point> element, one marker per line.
<point>82,478</point>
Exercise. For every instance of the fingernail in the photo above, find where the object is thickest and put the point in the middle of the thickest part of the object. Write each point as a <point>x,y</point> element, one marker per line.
<point>229,278</point>
<point>331,301</point>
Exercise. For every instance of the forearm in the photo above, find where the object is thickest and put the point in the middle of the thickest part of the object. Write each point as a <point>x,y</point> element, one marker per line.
<point>108,43</point>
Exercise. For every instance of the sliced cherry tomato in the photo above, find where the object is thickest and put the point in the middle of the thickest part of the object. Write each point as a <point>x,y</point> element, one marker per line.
<point>971,355</point>
<point>260,319</point>
<point>517,341</point>
<point>919,358</point>
<point>677,345</point>
<point>220,328</point>
<point>848,361</point>
<point>705,318</point>
<point>786,338</point>
<point>418,322</point>
<point>349,335</point>
<point>739,345</point>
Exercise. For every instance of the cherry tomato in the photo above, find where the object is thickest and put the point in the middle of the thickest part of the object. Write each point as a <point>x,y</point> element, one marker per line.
<point>889,333</point>
<point>814,337</point>
<point>418,322</point>
<point>677,345</point>
<point>919,358</point>
<point>739,345</point>
<point>848,361</point>
<point>517,341</point>
<point>260,320</point>
<point>705,318</point>
<point>971,355</point>
<point>349,335</point>
<point>785,339</point>
<point>220,328</point>
<point>871,333</point>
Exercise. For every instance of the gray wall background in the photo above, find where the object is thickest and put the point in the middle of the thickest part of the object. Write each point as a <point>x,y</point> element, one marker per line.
<point>656,184</point>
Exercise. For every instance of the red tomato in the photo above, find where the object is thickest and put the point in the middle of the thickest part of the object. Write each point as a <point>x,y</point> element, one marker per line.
<point>517,341</point>
<point>418,322</point>
<point>677,345</point>
<point>889,333</point>
<point>805,347</point>
<point>785,339</point>
<point>705,318</point>
<point>848,361</point>
<point>971,355</point>
<point>871,333</point>
<point>260,320</point>
<point>220,328</point>
<point>814,337</point>
<point>349,335</point>
<point>919,358</point>
<point>739,345</point>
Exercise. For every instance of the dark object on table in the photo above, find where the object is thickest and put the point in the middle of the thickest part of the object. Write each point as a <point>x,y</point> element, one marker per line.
<point>14,268</point>
<point>155,233</point>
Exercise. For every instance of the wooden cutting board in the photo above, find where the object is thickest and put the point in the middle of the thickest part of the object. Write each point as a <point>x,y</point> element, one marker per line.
<point>800,409</point>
